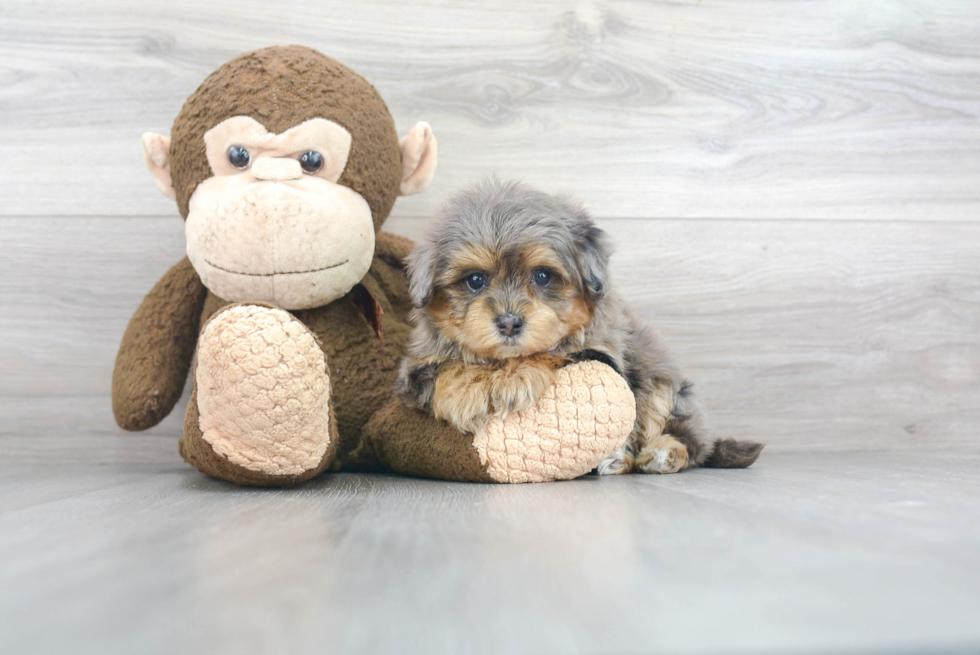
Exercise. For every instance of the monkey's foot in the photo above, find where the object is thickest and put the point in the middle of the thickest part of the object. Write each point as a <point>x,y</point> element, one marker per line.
<point>263,396</point>
<point>665,454</point>
<point>579,422</point>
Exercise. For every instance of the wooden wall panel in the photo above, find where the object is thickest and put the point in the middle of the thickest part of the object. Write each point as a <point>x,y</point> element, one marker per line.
<point>709,109</point>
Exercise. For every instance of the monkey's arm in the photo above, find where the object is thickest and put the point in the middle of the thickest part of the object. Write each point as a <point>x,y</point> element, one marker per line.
<point>412,442</point>
<point>157,349</point>
<point>392,248</point>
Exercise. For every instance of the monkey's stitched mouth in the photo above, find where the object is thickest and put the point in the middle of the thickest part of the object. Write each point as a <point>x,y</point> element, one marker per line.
<point>312,270</point>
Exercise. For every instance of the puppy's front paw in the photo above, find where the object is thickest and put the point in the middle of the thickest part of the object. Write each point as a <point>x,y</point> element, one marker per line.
<point>518,385</point>
<point>665,454</point>
<point>462,397</point>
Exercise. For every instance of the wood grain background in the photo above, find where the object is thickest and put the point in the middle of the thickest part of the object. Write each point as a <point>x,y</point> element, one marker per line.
<point>794,185</point>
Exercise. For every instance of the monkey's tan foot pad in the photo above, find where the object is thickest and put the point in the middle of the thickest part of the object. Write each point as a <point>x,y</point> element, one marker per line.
<point>263,391</point>
<point>579,422</point>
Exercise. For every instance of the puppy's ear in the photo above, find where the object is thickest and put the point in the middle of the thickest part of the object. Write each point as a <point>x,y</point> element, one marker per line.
<point>593,256</point>
<point>421,265</point>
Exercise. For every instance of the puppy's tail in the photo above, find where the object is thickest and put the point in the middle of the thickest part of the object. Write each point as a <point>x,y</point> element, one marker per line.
<point>731,454</point>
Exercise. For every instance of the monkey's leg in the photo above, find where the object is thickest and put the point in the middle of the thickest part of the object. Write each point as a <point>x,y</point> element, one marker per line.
<point>580,421</point>
<point>260,412</point>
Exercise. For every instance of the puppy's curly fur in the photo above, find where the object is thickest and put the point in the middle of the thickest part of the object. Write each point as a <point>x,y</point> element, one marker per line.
<point>511,284</point>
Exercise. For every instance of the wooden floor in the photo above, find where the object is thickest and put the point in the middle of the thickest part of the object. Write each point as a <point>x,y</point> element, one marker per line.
<point>803,553</point>
<point>794,191</point>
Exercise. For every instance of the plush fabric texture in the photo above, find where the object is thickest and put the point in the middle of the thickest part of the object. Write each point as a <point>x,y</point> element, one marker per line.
<point>281,87</point>
<point>157,348</point>
<point>263,391</point>
<point>581,420</point>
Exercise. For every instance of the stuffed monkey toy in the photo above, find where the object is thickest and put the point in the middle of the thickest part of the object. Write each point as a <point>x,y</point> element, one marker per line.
<point>284,165</point>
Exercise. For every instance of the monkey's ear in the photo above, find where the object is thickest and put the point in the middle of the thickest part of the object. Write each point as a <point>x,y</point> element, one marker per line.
<point>156,155</point>
<point>418,159</point>
<point>421,265</point>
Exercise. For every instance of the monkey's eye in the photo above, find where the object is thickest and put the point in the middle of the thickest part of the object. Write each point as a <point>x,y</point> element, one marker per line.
<point>541,277</point>
<point>239,157</point>
<point>311,161</point>
<point>476,281</point>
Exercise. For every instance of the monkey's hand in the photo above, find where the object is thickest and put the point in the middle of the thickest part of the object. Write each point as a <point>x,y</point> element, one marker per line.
<point>157,348</point>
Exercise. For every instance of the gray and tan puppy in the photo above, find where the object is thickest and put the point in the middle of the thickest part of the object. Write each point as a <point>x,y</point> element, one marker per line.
<point>511,284</point>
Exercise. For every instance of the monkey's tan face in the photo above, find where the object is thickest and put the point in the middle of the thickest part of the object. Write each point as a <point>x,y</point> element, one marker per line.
<point>272,224</point>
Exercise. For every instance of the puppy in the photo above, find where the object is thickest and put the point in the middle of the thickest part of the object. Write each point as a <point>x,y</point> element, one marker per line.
<point>511,284</point>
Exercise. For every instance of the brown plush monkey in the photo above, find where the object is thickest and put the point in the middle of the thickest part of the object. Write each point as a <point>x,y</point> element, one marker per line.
<point>284,165</point>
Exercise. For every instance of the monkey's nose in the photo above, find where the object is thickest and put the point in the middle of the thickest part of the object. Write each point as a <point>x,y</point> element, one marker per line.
<point>276,169</point>
<point>510,324</point>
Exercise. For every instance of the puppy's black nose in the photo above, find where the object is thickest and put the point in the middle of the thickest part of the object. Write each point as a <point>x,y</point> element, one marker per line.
<point>510,324</point>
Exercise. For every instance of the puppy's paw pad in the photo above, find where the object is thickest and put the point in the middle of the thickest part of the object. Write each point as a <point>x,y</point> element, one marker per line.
<point>665,454</point>
<point>263,391</point>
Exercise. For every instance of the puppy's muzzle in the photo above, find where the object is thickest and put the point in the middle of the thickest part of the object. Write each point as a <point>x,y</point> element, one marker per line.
<point>510,325</point>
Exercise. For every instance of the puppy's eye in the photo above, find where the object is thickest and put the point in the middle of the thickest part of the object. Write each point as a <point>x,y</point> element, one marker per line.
<point>541,277</point>
<point>239,157</point>
<point>311,161</point>
<point>476,281</point>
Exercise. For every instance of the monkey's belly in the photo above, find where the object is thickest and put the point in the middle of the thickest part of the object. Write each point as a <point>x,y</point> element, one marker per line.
<point>362,367</point>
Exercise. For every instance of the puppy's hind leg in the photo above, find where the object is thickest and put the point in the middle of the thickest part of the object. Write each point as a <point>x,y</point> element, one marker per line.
<point>619,463</point>
<point>676,442</point>
<point>668,426</point>
<point>665,454</point>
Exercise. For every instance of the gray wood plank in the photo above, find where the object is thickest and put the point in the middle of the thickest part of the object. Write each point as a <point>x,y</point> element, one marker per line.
<point>725,109</point>
<point>836,552</point>
<point>807,335</point>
